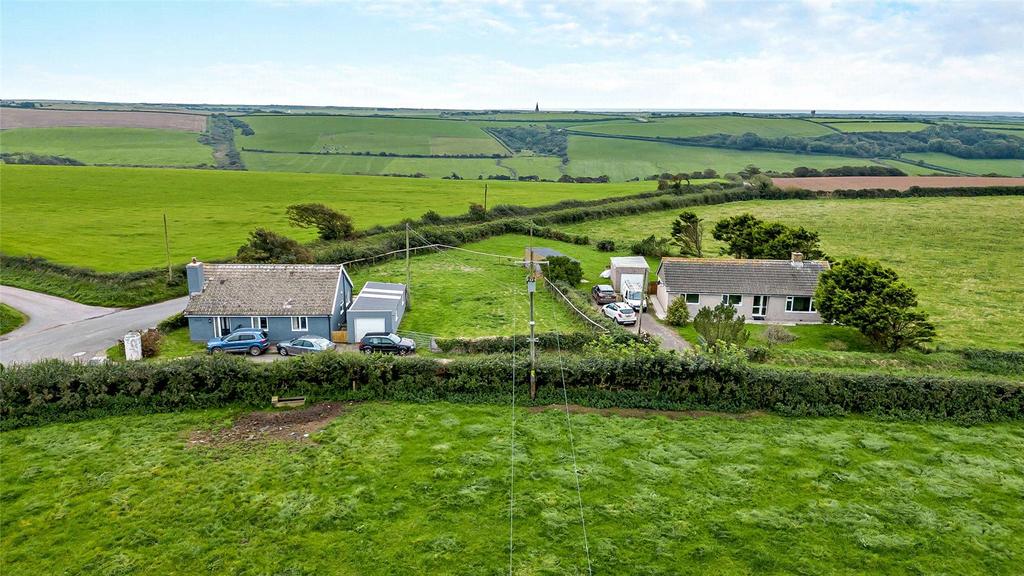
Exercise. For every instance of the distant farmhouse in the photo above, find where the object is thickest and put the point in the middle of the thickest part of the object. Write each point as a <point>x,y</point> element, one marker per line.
<point>779,291</point>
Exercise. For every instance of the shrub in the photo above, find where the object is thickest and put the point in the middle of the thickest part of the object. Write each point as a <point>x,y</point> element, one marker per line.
<point>432,217</point>
<point>563,269</point>
<point>651,247</point>
<point>477,213</point>
<point>678,314</point>
<point>776,334</point>
<point>606,245</point>
<point>173,323</point>
<point>151,342</point>
<point>269,247</point>
<point>720,326</point>
<point>329,223</point>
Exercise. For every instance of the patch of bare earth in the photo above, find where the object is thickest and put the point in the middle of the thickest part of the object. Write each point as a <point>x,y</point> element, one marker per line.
<point>296,425</point>
<point>902,183</point>
<point>642,412</point>
<point>29,118</point>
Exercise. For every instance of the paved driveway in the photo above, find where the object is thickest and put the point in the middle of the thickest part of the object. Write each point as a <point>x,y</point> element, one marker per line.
<point>59,328</point>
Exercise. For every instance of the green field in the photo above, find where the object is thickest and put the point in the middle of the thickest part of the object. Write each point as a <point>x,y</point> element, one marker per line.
<point>877,126</point>
<point>110,219</point>
<point>688,126</point>
<point>336,164</point>
<point>353,134</point>
<point>459,294</point>
<point>392,488</point>
<point>1007,167</point>
<point>10,318</point>
<point>624,159</point>
<point>125,146</point>
<point>913,169</point>
<point>962,255</point>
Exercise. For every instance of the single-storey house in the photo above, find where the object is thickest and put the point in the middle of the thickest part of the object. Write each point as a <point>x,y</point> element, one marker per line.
<point>780,291</point>
<point>379,307</point>
<point>286,300</point>
<point>627,265</point>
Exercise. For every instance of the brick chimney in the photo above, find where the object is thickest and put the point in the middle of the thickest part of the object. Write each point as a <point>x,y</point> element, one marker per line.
<point>194,275</point>
<point>796,259</point>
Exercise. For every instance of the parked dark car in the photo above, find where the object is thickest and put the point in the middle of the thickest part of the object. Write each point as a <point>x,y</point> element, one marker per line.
<point>603,294</point>
<point>250,340</point>
<point>387,343</point>
<point>305,345</point>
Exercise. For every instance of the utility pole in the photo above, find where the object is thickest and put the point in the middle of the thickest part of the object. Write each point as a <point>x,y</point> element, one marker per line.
<point>408,271</point>
<point>485,198</point>
<point>531,287</point>
<point>167,249</point>
<point>643,301</point>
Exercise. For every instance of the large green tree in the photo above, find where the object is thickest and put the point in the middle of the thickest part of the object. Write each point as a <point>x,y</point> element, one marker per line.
<point>747,236</point>
<point>871,298</point>
<point>688,234</point>
<point>329,223</point>
<point>266,247</point>
<point>563,269</point>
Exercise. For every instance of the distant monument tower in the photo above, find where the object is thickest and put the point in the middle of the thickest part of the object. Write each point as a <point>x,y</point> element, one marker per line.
<point>537,107</point>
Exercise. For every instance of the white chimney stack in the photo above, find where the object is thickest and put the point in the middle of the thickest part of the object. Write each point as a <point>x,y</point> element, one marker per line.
<point>796,259</point>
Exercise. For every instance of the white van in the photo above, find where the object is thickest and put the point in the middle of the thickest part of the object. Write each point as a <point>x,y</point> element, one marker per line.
<point>632,290</point>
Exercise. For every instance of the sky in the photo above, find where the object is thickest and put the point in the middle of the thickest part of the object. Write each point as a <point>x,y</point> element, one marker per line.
<point>589,55</point>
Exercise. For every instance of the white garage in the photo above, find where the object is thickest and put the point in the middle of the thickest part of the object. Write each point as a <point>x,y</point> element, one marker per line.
<point>379,307</point>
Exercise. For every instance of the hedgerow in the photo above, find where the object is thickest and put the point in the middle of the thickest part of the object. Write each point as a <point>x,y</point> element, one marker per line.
<point>55,391</point>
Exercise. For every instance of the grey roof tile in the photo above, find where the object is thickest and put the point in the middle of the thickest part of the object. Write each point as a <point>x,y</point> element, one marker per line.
<point>727,276</point>
<point>266,290</point>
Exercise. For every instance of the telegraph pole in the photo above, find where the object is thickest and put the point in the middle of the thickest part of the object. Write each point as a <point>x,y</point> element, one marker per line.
<point>408,271</point>
<point>485,198</point>
<point>167,248</point>
<point>643,300</point>
<point>531,287</point>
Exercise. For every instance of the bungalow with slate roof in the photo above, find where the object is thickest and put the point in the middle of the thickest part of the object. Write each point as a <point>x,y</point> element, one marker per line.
<point>286,300</point>
<point>779,291</point>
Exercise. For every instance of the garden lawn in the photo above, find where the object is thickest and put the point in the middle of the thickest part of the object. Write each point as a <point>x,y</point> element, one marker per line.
<point>10,318</point>
<point>393,488</point>
<point>689,126</point>
<point>622,159</point>
<point>1003,167</point>
<point>123,146</point>
<point>460,294</point>
<point>355,134</point>
<point>961,255</point>
<point>110,219</point>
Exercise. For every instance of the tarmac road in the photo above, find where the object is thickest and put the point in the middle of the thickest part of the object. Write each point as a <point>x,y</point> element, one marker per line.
<point>60,328</point>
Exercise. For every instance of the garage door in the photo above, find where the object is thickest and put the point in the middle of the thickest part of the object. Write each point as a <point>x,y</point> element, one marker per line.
<point>364,325</point>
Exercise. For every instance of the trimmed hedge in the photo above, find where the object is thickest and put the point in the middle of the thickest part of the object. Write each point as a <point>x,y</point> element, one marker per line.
<point>54,391</point>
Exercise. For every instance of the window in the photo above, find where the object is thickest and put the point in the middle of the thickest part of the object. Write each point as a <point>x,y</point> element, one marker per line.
<point>759,307</point>
<point>245,337</point>
<point>799,304</point>
<point>300,324</point>
<point>732,299</point>
<point>260,322</point>
<point>693,298</point>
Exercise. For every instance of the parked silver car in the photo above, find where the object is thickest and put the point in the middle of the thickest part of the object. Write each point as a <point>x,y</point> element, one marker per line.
<point>305,345</point>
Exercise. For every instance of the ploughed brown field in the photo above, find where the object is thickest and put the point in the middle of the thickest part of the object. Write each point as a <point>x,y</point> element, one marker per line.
<point>28,118</point>
<point>830,183</point>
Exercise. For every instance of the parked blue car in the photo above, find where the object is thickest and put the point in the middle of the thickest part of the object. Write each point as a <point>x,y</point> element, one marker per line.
<point>249,340</point>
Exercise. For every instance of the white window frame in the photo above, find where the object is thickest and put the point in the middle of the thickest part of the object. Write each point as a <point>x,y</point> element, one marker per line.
<point>259,321</point>
<point>727,297</point>
<point>686,298</point>
<point>759,310</point>
<point>221,326</point>
<point>300,323</point>
<point>789,305</point>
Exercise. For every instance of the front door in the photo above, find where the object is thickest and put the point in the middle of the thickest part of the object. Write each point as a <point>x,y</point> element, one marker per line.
<point>760,307</point>
<point>223,326</point>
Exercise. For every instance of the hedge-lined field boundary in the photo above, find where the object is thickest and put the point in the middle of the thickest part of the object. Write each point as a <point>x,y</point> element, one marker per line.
<point>131,289</point>
<point>57,391</point>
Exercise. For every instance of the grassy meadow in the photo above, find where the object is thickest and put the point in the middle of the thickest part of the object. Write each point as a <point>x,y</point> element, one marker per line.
<point>391,488</point>
<point>1003,167</point>
<point>469,168</point>
<point>110,219</point>
<point>687,126</point>
<point>624,159</point>
<point>354,134</point>
<point>961,255</point>
<point>10,318</point>
<point>125,146</point>
<point>876,126</point>
<point>459,294</point>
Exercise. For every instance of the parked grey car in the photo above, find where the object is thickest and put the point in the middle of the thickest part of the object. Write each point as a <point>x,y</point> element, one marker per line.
<point>305,345</point>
